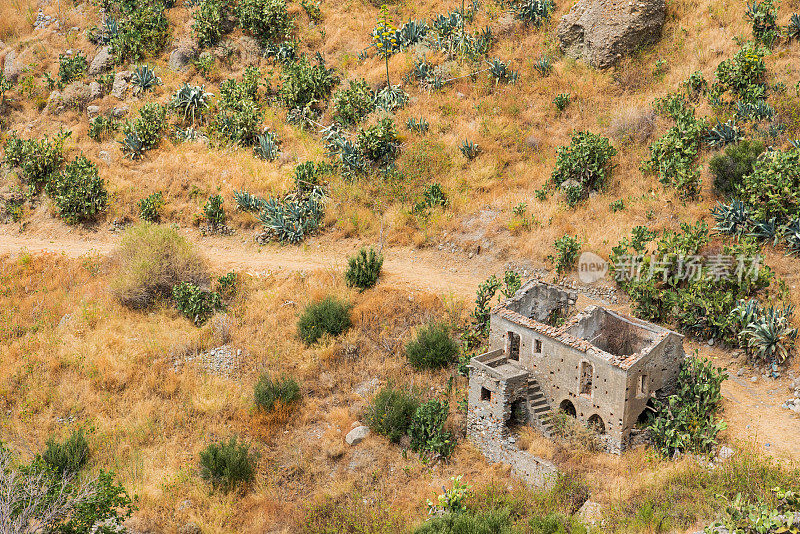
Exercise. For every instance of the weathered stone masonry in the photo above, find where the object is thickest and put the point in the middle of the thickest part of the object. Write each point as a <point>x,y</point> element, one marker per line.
<point>600,366</point>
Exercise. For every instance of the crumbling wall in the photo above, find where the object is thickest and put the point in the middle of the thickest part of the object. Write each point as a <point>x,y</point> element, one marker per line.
<point>538,300</point>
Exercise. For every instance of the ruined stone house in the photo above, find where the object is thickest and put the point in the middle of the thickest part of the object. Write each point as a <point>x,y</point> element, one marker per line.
<point>599,366</point>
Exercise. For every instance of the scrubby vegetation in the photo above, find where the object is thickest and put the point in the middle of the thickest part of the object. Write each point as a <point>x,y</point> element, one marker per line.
<point>270,391</point>
<point>363,269</point>
<point>228,465</point>
<point>329,316</point>
<point>432,348</point>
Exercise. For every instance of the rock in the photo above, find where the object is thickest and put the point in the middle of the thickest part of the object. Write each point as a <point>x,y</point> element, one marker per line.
<point>104,156</point>
<point>95,91</point>
<point>182,55</point>
<point>190,528</point>
<point>357,435</point>
<point>725,452</point>
<point>120,86</point>
<point>754,379</point>
<point>54,104</point>
<point>12,66</point>
<point>119,112</point>
<point>591,512</point>
<point>602,31</point>
<point>76,95</point>
<point>740,372</point>
<point>92,111</point>
<point>101,62</point>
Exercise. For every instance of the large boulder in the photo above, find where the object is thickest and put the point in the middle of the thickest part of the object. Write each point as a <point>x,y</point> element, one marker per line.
<point>183,54</point>
<point>120,86</point>
<point>101,62</point>
<point>76,95</point>
<point>14,64</point>
<point>601,32</point>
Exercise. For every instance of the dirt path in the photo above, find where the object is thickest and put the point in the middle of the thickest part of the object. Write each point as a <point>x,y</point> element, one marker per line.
<point>752,409</point>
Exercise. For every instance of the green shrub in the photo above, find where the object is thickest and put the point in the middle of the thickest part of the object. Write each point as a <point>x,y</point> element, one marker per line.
<point>380,143</point>
<point>482,312</point>
<point>687,421</point>
<point>66,458</point>
<point>767,334</point>
<point>427,429</point>
<point>743,74</point>
<point>38,159</point>
<point>390,412</point>
<point>78,192</point>
<point>354,103</point>
<point>228,284</point>
<point>266,20</point>
<point>194,303</point>
<point>773,188</point>
<point>433,348</point>
<point>536,12</point>
<point>228,465</point>
<point>71,67</point>
<point>150,207</point>
<point>305,85</point>
<point>491,522</point>
<point>148,126</point>
<point>561,101</point>
<point>763,17</point>
<point>151,261</point>
<point>567,248</point>
<point>102,127</point>
<point>213,210</point>
<point>208,25</point>
<point>308,175</point>
<point>433,196</point>
<point>585,164</point>
<point>143,30</point>
<point>328,316</point>
<point>268,391</point>
<point>730,168</point>
<point>363,269</point>
<point>239,124</point>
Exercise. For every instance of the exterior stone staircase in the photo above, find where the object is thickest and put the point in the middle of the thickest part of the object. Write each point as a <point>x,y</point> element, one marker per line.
<point>538,408</point>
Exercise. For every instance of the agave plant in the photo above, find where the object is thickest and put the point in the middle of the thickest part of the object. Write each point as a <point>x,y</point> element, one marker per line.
<point>390,98</point>
<point>733,218</point>
<point>248,202</point>
<point>757,111</point>
<point>544,66</point>
<point>561,101</point>
<point>791,233</point>
<point>793,30</point>
<point>291,220</point>
<point>192,100</point>
<point>190,134</point>
<point>470,149</point>
<point>105,33</point>
<point>411,33</point>
<point>349,155</point>
<point>267,146</point>
<point>794,143</point>
<point>767,334</point>
<point>501,73</point>
<point>132,145</point>
<point>144,79</point>
<point>766,230</point>
<point>536,12</point>
<point>417,125</point>
<point>723,134</point>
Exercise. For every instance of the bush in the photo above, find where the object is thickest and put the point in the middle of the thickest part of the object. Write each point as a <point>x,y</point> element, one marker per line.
<point>491,522</point>
<point>143,30</point>
<point>305,85</point>
<point>213,210</point>
<point>148,126</point>
<point>773,188</point>
<point>390,412</point>
<point>268,391</point>
<point>687,421</point>
<point>227,465</point>
<point>585,163</point>
<point>150,207</point>
<point>38,159</point>
<point>239,124</point>
<point>71,68</point>
<point>363,269</point>
<point>266,20</point>
<point>208,25</point>
<point>67,457</point>
<point>328,316</point>
<point>308,175</point>
<point>743,74</point>
<point>151,261</point>
<point>730,168</point>
<point>433,348</point>
<point>78,192</point>
<point>767,334</point>
<point>567,248</point>
<point>354,103</point>
<point>380,143</point>
<point>101,127</point>
<point>427,429</point>
<point>194,303</point>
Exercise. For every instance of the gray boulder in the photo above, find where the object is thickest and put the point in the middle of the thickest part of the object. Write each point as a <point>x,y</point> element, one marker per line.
<point>95,91</point>
<point>76,95</point>
<point>601,32</point>
<point>13,65</point>
<point>101,62</point>
<point>357,435</point>
<point>182,55</point>
<point>92,111</point>
<point>120,86</point>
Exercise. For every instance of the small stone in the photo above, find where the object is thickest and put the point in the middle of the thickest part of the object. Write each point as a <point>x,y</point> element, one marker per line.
<point>357,435</point>
<point>754,379</point>
<point>740,372</point>
<point>92,111</point>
